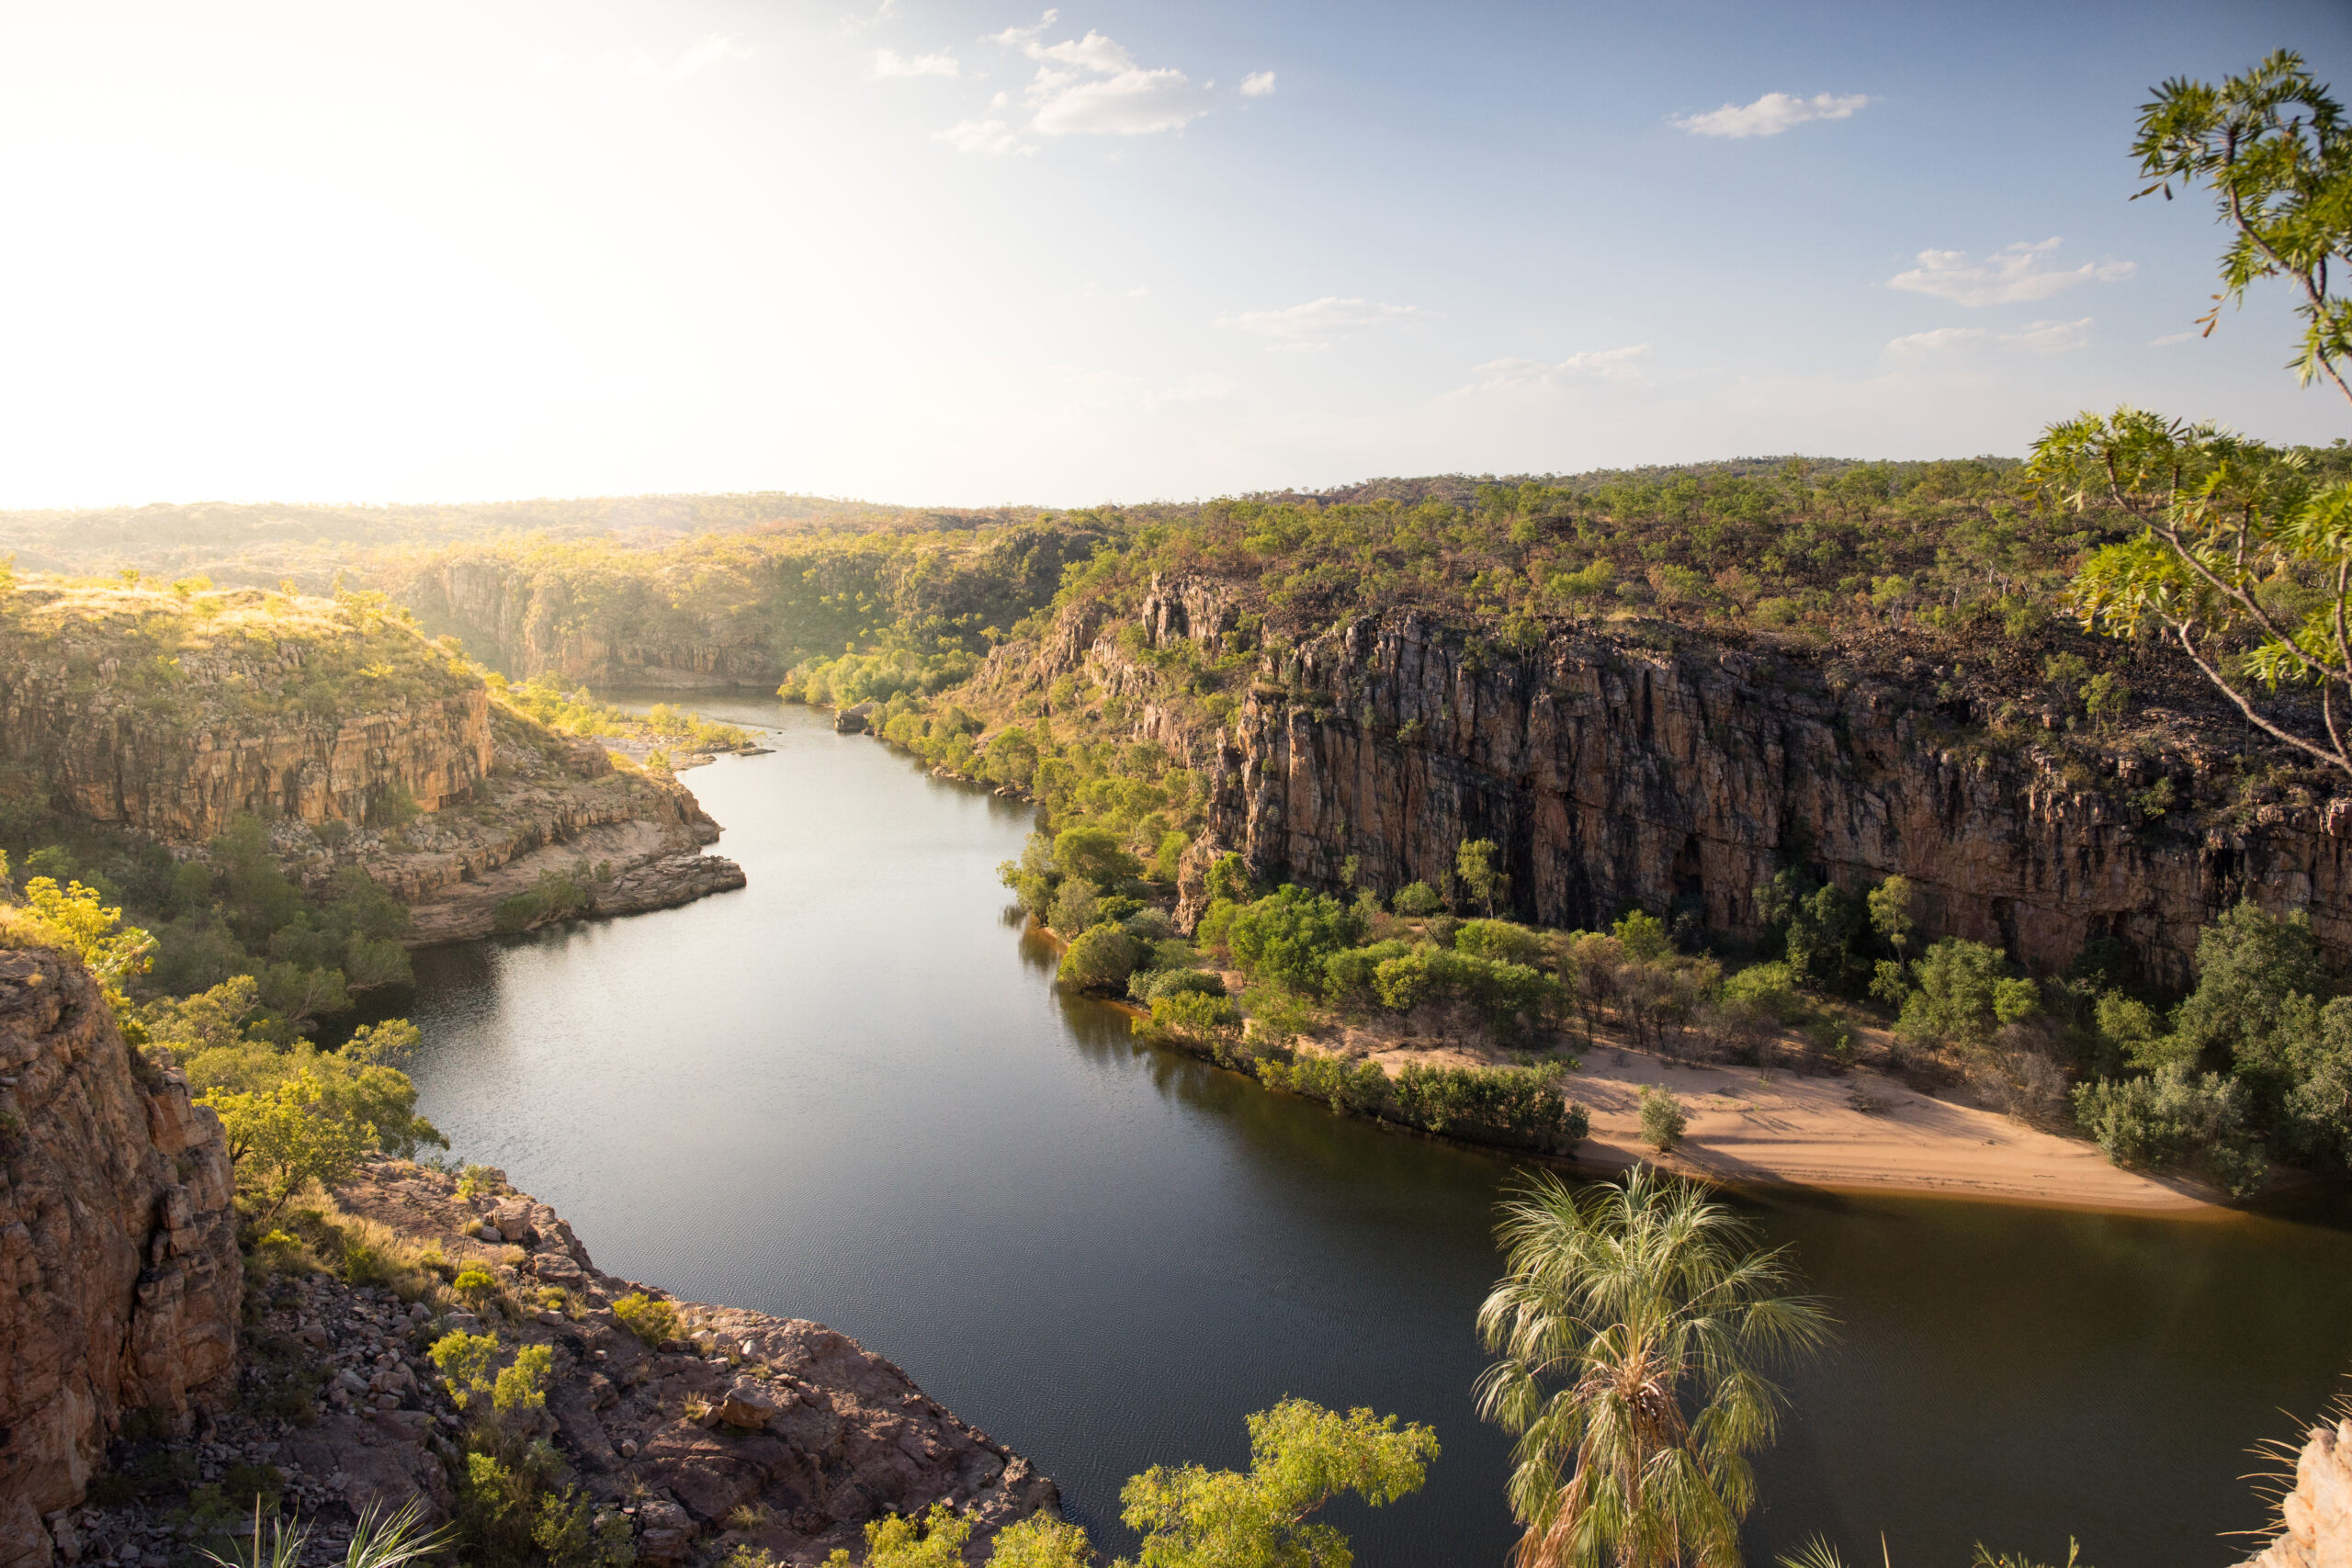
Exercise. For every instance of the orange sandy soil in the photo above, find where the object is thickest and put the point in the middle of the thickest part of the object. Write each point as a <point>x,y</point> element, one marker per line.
<point>1770,1126</point>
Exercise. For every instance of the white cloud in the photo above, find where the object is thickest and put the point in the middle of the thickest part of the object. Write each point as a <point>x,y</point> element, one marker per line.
<point>1940,338</point>
<point>2010,276</point>
<point>1612,364</point>
<point>1309,328</point>
<point>1092,86</point>
<point>1258,85</point>
<point>2171,338</point>
<point>1770,115</point>
<point>1133,103</point>
<point>890,63</point>
<point>714,49</point>
<point>2052,337</point>
<point>982,136</point>
<point>1603,364</point>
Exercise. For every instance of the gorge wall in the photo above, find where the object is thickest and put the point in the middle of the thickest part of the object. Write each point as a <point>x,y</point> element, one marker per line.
<point>119,1280</point>
<point>532,624</point>
<point>177,767</point>
<point>1613,774</point>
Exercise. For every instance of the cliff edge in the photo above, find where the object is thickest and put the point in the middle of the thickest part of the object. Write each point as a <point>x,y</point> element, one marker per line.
<point>119,1280</point>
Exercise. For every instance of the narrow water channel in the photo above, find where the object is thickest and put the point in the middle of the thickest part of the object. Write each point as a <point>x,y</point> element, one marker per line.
<point>849,1092</point>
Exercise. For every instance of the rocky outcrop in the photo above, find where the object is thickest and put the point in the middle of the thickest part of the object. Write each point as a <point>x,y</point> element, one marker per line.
<point>2316,1517</point>
<point>746,1430</point>
<point>1613,774</point>
<point>309,715</point>
<point>119,1278</point>
<point>557,826</point>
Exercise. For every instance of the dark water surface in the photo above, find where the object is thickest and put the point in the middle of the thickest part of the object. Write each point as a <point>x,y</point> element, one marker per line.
<point>849,1093</point>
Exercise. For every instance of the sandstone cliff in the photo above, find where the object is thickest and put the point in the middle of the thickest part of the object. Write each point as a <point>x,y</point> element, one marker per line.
<point>1612,773</point>
<point>172,717</point>
<point>555,823</point>
<point>119,1278</point>
<point>537,623</point>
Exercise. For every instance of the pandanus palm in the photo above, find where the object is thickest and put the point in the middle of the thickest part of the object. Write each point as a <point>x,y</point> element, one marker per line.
<point>1633,1327</point>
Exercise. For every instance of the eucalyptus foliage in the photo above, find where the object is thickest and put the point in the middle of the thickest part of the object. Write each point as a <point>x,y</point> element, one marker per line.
<point>2243,559</point>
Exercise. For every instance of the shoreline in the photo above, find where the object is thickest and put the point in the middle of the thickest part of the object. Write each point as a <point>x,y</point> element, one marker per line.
<point>1814,1137</point>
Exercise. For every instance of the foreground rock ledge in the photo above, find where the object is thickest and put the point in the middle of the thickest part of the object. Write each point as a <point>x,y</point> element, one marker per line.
<point>119,1280</point>
<point>775,1432</point>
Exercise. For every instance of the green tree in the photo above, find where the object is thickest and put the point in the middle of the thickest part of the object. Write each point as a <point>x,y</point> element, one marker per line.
<point>1890,913</point>
<point>94,932</point>
<point>1965,995</point>
<point>1301,1457</point>
<point>1634,1326</point>
<point>2251,968</point>
<point>289,1136</point>
<point>1101,960</point>
<point>2241,562</point>
<point>1474,862</point>
<point>1094,853</point>
<point>1287,936</point>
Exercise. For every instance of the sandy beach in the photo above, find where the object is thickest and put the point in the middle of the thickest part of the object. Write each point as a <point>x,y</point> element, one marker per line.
<point>1856,1131</point>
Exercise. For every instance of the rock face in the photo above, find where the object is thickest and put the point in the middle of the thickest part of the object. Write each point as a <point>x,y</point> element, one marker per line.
<point>2316,1517</point>
<point>1611,775</point>
<point>247,722</point>
<point>119,1278</point>
<point>775,1432</point>
<point>623,841</point>
<point>538,626</point>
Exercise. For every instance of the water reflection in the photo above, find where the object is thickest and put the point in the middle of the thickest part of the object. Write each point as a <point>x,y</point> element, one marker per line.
<point>849,1092</point>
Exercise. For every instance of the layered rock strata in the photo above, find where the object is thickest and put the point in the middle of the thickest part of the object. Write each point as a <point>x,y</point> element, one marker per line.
<point>1613,774</point>
<point>119,1278</point>
<point>554,812</point>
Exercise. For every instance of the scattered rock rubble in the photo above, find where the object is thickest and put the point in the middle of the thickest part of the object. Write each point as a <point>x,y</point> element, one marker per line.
<point>777,1433</point>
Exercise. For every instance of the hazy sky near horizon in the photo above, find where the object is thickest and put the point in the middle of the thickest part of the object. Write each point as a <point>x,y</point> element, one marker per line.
<point>971,253</point>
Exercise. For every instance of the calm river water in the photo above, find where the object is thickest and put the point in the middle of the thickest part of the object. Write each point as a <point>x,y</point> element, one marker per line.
<point>849,1092</point>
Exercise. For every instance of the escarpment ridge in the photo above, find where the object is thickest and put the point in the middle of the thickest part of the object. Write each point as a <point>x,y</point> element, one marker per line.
<point>1622,765</point>
<point>174,713</point>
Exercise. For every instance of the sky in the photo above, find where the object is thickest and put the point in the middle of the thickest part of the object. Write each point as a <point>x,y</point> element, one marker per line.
<point>968,253</point>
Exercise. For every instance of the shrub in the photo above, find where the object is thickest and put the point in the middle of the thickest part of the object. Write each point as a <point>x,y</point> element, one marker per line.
<point>1361,1087</point>
<point>523,1384</point>
<point>1771,988</point>
<point>1101,960</point>
<point>1192,1019</point>
<point>1416,899</point>
<point>1516,1105</point>
<point>651,1318</point>
<point>1500,940</point>
<point>1662,1119</point>
<point>2175,1118</point>
<point>1965,995</point>
<point>465,1362</point>
<point>1148,984</point>
<point>1287,936</point>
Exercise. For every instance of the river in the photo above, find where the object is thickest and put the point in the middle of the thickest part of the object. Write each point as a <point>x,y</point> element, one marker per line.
<point>850,1092</point>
